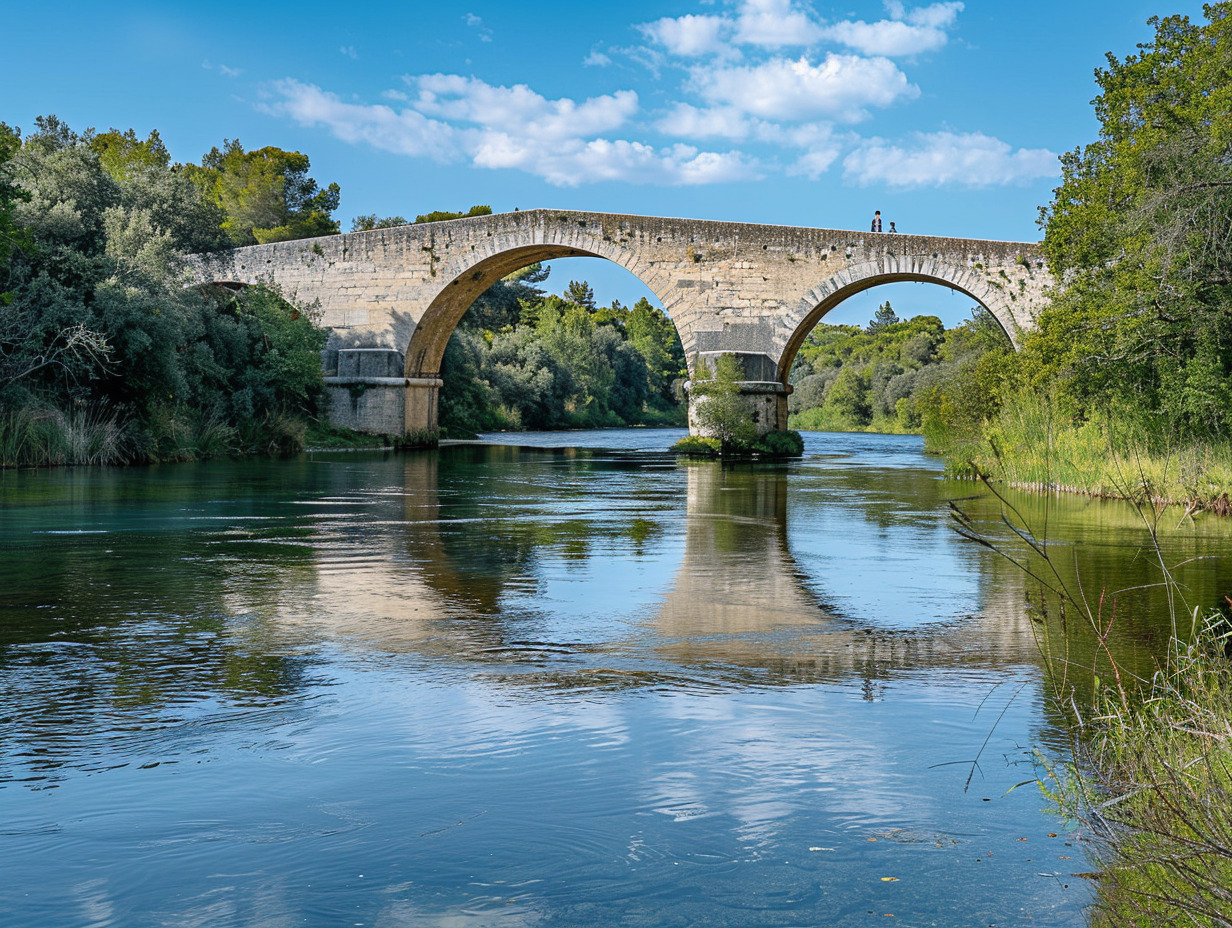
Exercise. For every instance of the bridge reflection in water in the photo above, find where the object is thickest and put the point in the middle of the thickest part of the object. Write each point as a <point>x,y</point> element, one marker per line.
<point>521,583</point>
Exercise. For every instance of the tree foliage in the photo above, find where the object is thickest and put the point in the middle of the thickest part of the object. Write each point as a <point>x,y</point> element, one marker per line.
<point>720,408</point>
<point>891,375</point>
<point>98,315</point>
<point>525,359</point>
<point>443,215</point>
<point>370,221</point>
<point>266,195</point>
<point>1140,231</point>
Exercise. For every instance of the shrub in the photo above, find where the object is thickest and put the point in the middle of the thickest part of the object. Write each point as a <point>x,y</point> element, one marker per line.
<point>698,445</point>
<point>782,443</point>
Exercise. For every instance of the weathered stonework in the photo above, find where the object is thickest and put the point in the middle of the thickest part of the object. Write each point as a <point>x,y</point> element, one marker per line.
<point>756,290</point>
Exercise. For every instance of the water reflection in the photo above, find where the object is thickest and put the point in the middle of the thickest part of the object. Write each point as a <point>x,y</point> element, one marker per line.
<point>514,686</point>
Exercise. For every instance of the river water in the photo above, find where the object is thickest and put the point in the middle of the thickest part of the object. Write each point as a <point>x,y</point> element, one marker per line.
<point>522,683</point>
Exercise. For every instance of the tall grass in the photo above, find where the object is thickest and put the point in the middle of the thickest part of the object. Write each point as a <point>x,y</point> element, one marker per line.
<point>1033,444</point>
<point>1150,766</point>
<point>43,435</point>
<point>1154,786</point>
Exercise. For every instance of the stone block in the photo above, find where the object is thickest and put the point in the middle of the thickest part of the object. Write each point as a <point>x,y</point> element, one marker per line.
<point>357,363</point>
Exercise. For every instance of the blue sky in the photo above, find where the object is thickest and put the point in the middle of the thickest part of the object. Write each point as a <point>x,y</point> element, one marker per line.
<point>946,116</point>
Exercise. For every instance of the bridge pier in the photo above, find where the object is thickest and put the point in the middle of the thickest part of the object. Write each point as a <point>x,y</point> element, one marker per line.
<point>767,398</point>
<point>367,390</point>
<point>767,405</point>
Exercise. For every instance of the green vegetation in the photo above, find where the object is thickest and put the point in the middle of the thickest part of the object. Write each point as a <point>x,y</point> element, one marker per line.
<point>370,221</point>
<point>727,417</point>
<point>1125,386</point>
<point>894,375</point>
<point>521,359</point>
<point>444,215</point>
<point>104,356</point>
<point>1148,775</point>
<point>1154,787</point>
<point>265,195</point>
<point>1124,390</point>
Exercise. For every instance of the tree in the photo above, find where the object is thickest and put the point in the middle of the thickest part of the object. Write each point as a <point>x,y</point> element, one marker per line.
<point>266,194</point>
<point>885,316</point>
<point>12,236</point>
<point>653,334</point>
<point>580,293</point>
<point>1139,231</point>
<point>721,409</point>
<point>849,397</point>
<point>370,221</point>
<point>123,154</point>
<point>443,215</point>
<point>98,313</point>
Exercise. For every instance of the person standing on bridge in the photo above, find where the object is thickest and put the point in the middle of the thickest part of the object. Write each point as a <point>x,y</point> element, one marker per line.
<point>877,221</point>
<point>892,229</point>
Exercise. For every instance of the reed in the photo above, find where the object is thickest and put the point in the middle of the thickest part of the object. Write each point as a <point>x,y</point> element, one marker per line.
<point>41,435</point>
<point>1033,446</point>
<point>1149,771</point>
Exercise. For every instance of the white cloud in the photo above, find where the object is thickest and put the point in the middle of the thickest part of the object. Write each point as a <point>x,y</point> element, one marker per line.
<point>689,36</point>
<point>406,132</point>
<point>519,109</point>
<point>476,23</point>
<point>510,128</point>
<point>349,51</point>
<point>936,16</point>
<point>222,69</point>
<point>690,122</point>
<point>841,86</point>
<point>596,59</point>
<point>906,33</point>
<point>580,161</point>
<point>761,23</point>
<point>946,158</point>
<point>812,164</point>
<point>774,24</point>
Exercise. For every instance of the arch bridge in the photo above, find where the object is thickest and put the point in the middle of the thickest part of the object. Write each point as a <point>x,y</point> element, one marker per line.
<point>393,297</point>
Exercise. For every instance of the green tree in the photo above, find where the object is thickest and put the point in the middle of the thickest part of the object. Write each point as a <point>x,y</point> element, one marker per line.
<point>580,293</point>
<point>885,316</point>
<point>370,221</point>
<point>654,336</point>
<point>1139,231</point>
<point>444,215</point>
<point>848,397</point>
<point>266,194</point>
<point>99,316</point>
<point>12,236</point>
<point>721,409</point>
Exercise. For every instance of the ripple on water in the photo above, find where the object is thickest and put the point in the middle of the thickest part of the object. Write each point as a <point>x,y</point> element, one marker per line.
<point>489,687</point>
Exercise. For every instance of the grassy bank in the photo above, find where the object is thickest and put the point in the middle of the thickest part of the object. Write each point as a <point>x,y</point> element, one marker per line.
<point>1152,782</point>
<point>1148,773</point>
<point>43,435</point>
<point>1033,446</point>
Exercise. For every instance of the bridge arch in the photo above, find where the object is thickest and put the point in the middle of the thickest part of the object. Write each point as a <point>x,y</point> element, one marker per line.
<point>467,277</point>
<point>988,293</point>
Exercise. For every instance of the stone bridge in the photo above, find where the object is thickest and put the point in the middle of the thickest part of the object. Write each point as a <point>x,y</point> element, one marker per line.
<point>392,297</point>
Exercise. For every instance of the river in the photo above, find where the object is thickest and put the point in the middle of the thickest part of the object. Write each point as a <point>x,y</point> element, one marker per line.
<point>556,679</point>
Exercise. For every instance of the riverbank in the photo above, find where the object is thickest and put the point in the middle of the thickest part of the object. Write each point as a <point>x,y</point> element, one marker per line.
<point>42,435</point>
<point>1152,783</point>
<point>1030,448</point>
